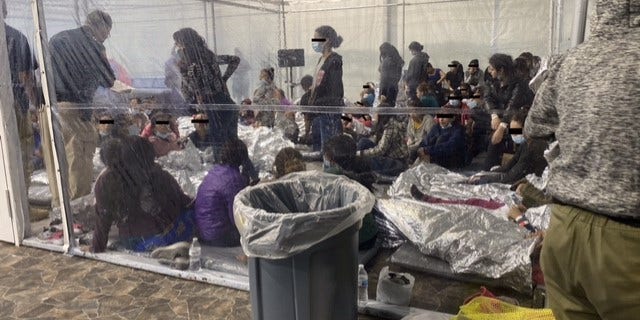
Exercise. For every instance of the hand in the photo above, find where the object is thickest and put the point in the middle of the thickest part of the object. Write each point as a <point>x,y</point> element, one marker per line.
<point>514,212</point>
<point>473,179</point>
<point>495,123</point>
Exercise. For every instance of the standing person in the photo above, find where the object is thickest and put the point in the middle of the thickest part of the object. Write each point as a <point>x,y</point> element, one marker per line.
<point>204,84</point>
<point>22,66</point>
<point>390,72</point>
<point>80,67</point>
<point>417,72</point>
<point>266,94</point>
<point>591,252</point>
<point>327,87</point>
<point>240,84</point>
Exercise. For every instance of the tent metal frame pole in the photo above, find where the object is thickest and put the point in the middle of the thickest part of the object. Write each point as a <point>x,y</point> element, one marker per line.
<point>44,59</point>
<point>213,27</point>
<point>579,22</point>
<point>206,21</point>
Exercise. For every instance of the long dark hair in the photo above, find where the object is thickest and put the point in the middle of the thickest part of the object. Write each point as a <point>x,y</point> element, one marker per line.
<point>195,48</point>
<point>387,50</point>
<point>329,33</point>
<point>130,170</point>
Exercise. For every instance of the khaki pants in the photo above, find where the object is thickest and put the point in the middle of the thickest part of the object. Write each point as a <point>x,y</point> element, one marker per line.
<point>591,266</point>
<point>27,144</point>
<point>80,142</point>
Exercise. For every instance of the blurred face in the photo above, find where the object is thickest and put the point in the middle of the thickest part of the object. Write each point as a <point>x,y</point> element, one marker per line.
<point>444,121</point>
<point>263,75</point>
<point>104,128</point>
<point>101,33</point>
<point>473,70</point>
<point>164,126</point>
<point>420,93</point>
<point>493,72</point>
<point>416,117</point>
<point>201,127</point>
<point>453,69</point>
<point>430,70</point>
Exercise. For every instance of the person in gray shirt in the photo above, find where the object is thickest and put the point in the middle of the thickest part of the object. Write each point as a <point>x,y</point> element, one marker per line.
<point>591,252</point>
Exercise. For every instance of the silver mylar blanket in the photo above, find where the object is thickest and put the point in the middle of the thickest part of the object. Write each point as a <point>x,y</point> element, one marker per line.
<point>471,239</point>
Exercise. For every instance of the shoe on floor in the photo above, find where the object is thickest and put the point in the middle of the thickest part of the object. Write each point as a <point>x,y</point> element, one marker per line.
<point>180,263</point>
<point>178,249</point>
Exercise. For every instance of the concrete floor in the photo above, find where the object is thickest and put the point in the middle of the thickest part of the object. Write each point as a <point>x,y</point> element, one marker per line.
<point>38,284</point>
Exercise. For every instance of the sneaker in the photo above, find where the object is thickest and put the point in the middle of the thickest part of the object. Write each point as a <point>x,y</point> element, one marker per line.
<point>178,249</point>
<point>180,263</point>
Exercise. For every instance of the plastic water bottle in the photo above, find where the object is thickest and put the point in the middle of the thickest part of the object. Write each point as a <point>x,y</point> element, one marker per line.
<point>363,286</point>
<point>194,255</point>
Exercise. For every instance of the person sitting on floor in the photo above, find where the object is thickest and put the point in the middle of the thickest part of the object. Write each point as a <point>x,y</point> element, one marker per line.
<point>444,145</point>
<point>200,137</point>
<point>388,153</point>
<point>163,134</point>
<point>529,157</point>
<point>214,200</point>
<point>144,201</point>
<point>340,158</point>
<point>288,160</point>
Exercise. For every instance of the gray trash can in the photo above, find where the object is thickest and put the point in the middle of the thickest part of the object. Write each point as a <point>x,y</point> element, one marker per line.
<point>301,236</point>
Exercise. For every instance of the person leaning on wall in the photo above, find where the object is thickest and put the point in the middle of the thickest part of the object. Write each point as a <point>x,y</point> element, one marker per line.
<point>79,66</point>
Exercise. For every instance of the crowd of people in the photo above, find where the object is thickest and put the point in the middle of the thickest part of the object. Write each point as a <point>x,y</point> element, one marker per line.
<point>490,113</point>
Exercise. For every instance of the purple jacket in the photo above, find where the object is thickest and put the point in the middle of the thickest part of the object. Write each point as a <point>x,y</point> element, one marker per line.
<point>214,206</point>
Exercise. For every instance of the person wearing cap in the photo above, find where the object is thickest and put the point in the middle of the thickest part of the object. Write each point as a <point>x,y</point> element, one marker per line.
<point>417,72</point>
<point>474,76</point>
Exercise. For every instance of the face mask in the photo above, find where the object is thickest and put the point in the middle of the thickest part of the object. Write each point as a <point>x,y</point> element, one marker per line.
<point>104,134</point>
<point>317,46</point>
<point>134,130</point>
<point>454,103</point>
<point>445,127</point>
<point>472,104</point>
<point>370,98</point>
<point>517,138</point>
<point>163,136</point>
<point>326,164</point>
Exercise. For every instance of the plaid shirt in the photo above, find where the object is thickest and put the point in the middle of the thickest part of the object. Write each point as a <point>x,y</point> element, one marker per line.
<point>203,80</point>
<point>391,143</point>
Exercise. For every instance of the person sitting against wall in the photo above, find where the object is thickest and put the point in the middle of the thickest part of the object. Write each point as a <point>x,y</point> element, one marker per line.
<point>144,201</point>
<point>340,158</point>
<point>163,134</point>
<point>444,145</point>
<point>529,157</point>
<point>386,149</point>
<point>214,200</point>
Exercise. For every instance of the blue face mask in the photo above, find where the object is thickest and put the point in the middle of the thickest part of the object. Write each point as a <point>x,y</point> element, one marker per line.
<point>517,138</point>
<point>317,46</point>
<point>472,104</point>
<point>454,103</point>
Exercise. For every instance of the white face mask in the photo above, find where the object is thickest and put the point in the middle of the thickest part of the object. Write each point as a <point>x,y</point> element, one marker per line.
<point>454,103</point>
<point>163,136</point>
<point>472,104</point>
<point>517,138</point>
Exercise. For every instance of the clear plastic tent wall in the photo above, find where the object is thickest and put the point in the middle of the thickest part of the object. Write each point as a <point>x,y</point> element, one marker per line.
<point>140,44</point>
<point>449,30</point>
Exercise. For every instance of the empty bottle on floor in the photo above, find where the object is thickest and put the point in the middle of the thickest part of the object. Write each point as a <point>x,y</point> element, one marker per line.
<point>194,255</point>
<point>363,286</point>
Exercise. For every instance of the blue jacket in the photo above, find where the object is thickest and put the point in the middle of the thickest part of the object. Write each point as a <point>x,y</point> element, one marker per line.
<point>446,147</point>
<point>214,206</point>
